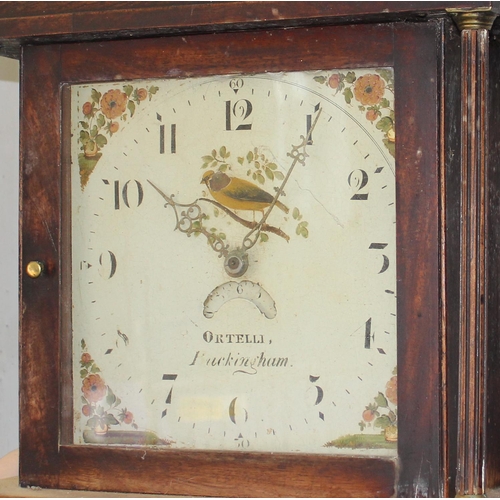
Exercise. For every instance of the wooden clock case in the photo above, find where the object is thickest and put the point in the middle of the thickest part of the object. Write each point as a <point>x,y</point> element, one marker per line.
<point>446,60</point>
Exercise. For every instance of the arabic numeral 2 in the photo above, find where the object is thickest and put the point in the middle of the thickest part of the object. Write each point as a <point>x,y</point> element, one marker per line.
<point>130,197</point>
<point>357,180</point>
<point>237,114</point>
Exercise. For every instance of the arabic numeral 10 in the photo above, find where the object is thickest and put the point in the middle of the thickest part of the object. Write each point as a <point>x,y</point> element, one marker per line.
<point>130,194</point>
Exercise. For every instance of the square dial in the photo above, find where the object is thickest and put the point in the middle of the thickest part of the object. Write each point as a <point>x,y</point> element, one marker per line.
<point>234,262</point>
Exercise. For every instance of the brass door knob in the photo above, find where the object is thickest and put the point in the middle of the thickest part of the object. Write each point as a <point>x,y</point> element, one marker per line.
<point>34,269</point>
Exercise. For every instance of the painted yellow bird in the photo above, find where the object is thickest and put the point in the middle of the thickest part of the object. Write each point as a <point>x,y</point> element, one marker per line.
<point>238,194</point>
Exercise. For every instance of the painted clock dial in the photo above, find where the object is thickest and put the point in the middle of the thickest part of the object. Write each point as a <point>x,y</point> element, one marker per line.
<point>233,262</point>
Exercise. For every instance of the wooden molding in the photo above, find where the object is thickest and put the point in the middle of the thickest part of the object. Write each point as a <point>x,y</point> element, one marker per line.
<point>473,265</point>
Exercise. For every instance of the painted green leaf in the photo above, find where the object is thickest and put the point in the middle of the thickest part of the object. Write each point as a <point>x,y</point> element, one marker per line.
<point>84,401</point>
<point>100,411</point>
<point>302,229</point>
<point>222,151</point>
<point>320,79</point>
<point>382,422</point>
<point>223,167</point>
<point>249,157</point>
<point>222,236</point>
<point>295,213</point>
<point>264,237</point>
<point>101,141</point>
<point>95,369</point>
<point>84,345</point>
<point>386,74</point>
<point>84,125</point>
<point>241,160</point>
<point>350,77</point>
<point>93,422</point>
<point>93,131</point>
<point>131,107</point>
<point>261,178</point>
<point>384,103</point>
<point>83,373</point>
<point>381,400</point>
<point>207,158</point>
<point>128,89</point>
<point>385,124</point>
<point>279,175</point>
<point>84,137</point>
<point>95,96</point>
<point>269,173</point>
<point>272,166</point>
<point>153,89</point>
<point>348,95</point>
<point>101,120</point>
<point>390,146</point>
<point>110,398</point>
<point>111,420</point>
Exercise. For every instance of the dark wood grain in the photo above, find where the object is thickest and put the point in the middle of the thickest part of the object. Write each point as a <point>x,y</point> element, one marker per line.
<point>43,22</point>
<point>226,474</point>
<point>451,120</point>
<point>418,235</point>
<point>492,452</point>
<point>472,326</point>
<point>40,229</point>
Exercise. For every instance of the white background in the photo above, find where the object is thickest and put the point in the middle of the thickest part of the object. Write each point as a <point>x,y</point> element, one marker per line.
<point>9,185</point>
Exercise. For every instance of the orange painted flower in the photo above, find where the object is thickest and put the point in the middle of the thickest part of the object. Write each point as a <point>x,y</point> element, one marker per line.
<point>334,81</point>
<point>87,109</point>
<point>369,89</point>
<point>87,410</point>
<point>93,388</point>
<point>114,103</point>
<point>391,390</point>
<point>142,93</point>
<point>86,357</point>
<point>113,127</point>
<point>128,417</point>
<point>371,115</point>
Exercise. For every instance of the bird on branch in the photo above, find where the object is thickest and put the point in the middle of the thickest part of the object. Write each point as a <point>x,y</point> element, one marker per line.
<point>238,194</point>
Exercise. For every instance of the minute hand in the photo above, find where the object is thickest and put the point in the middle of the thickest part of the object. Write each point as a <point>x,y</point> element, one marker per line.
<point>298,157</point>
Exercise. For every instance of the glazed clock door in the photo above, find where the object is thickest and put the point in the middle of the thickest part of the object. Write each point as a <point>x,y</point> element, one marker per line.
<point>234,262</point>
<point>242,300</point>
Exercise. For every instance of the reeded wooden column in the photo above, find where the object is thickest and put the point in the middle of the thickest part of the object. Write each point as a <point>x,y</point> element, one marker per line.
<point>474,28</point>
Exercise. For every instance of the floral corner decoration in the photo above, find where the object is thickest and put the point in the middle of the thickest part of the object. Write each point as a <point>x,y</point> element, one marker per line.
<point>101,116</point>
<point>370,92</point>
<point>100,404</point>
<point>381,414</point>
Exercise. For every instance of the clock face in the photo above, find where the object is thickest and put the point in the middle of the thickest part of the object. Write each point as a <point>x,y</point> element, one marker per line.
<point>234,262</point>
